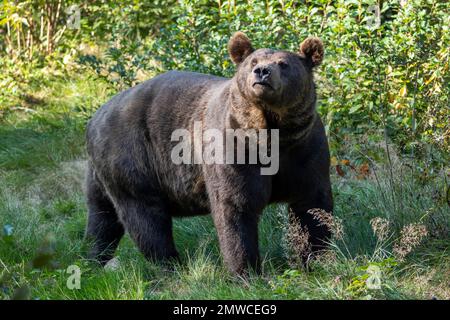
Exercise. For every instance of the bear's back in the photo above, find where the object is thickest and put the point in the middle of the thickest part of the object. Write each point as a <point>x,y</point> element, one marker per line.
<point>129,137</point>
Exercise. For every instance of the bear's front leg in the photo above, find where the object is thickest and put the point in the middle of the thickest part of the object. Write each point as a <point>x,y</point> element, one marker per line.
<point>238,194</point>
<point>319,229</point>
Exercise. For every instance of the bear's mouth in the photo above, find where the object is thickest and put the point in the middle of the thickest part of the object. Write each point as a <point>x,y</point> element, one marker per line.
<point>263,83</point>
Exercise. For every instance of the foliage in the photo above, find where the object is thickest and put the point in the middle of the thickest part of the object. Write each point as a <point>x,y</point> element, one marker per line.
<point>391,77</point>
<point>386,77</point>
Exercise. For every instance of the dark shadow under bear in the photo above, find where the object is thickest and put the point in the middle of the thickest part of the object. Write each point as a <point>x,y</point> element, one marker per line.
<point>134,186</point>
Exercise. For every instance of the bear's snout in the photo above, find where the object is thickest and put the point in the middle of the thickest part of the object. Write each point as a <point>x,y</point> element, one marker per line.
<point>263,77</point>
<point>262,72</point>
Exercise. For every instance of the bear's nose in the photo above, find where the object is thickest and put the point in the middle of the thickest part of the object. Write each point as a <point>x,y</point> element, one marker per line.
<point>263,72</point>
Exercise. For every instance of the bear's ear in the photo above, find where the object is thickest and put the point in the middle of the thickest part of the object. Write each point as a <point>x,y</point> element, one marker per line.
<point>239,47</point>
<point>312,50</point>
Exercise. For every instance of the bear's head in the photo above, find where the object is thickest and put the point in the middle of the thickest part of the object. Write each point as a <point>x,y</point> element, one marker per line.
<point>275,79</point>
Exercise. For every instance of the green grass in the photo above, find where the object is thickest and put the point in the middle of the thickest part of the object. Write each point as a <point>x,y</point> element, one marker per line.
<point>42,161</point>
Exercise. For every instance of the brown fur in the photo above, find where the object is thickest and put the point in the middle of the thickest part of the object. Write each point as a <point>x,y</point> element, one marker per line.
<point>239,47</point>
<point>133,185</point>
<point>313,48</point>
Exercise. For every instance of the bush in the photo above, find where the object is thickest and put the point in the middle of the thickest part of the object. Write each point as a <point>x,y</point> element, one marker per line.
<point>389,77</point>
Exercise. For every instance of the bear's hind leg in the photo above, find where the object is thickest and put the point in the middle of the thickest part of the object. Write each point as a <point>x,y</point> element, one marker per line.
<point>103,228</point>
<point>150,226</point>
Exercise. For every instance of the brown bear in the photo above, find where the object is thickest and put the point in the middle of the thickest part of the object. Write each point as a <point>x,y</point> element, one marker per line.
<point>134,185</point>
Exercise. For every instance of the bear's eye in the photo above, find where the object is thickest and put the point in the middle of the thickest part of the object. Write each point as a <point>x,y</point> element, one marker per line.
<point>254,62</point>
<point>282,64</point>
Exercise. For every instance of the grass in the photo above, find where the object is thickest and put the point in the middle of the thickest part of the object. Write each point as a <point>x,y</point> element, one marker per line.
<point>43,215</point>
